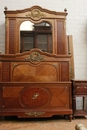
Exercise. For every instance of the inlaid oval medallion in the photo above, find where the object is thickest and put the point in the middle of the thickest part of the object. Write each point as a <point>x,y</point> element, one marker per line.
<point>34,97</point>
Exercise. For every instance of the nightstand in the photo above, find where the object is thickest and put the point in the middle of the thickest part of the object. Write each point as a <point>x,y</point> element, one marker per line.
<point>79,95</point>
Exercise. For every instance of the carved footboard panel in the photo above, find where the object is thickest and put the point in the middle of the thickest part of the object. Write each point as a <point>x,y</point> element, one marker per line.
<point>35,84</point>
<point>35,99</point>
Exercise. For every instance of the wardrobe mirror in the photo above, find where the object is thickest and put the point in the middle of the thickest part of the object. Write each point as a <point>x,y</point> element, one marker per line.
<point>35,35</point>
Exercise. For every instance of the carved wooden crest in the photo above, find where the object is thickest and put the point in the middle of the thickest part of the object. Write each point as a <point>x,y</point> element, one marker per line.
<point>35,14</point>
<point>35,56</point>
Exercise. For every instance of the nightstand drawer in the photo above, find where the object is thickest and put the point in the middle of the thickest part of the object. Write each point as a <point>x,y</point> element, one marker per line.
<point>80,89</point>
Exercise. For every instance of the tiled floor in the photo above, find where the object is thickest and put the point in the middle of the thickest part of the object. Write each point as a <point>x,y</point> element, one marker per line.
<point>56,123</point>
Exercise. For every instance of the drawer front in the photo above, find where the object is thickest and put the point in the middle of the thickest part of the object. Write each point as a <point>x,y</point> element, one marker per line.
<point>80,88</point>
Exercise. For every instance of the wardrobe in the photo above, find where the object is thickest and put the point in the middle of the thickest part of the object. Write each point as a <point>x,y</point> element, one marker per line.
<point>37,67</point>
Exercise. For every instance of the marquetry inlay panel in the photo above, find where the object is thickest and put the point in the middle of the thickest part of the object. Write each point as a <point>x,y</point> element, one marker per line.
<point>5,70</point>
<point>11,97</point>
<point>65,71</point>
<point>60,96</point>
<point>40,73</point>
<point>11,36</point>
<point>35,97</point>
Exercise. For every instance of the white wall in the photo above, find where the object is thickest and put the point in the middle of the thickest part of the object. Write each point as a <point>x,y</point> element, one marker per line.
<point>76,25</point>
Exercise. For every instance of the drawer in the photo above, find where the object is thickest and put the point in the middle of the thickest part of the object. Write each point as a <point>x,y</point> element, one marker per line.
<point>80,88</point>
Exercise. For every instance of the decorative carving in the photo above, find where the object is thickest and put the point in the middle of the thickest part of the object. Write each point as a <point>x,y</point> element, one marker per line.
<point>65,9</point>
<point>35,95</point>
<point>6,8</point>
<point>35,113</point>
<point>64,24</point>
<point>6,23</point>
<point>35,14</point>
<point>15,64</point>
<point>70,70</point>
<point>35,56</point>
<point>20,21</point>
<point>77,87</point>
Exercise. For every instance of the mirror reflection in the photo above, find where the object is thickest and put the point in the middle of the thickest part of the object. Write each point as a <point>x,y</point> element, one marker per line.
<point>35,36</point>
<point>26,26</point>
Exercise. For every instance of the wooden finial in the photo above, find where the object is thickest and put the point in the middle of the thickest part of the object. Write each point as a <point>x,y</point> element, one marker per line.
<point>5,8</point>
<point>65,9</point>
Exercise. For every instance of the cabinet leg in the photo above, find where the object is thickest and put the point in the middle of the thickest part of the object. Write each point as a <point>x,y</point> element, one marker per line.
<point>70,117</point>
<point>73,117</point>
